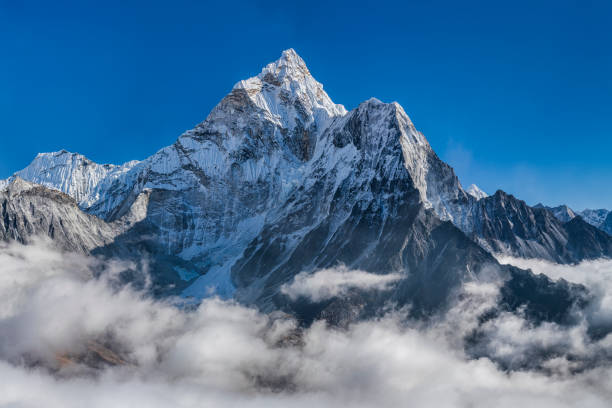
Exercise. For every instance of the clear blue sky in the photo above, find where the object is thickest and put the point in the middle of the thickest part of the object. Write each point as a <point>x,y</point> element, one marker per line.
<point>515,95</point>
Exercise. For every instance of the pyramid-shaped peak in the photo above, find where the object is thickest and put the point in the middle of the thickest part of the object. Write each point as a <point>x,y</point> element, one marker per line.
<point>290,66</point>
<point>287,91</point>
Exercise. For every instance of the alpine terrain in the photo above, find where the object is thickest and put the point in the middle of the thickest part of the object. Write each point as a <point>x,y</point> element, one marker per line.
<point>279,180</point>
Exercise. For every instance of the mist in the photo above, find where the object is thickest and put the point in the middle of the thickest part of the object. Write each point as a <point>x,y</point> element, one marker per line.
<point>71,338</point>
<point>332,282</point>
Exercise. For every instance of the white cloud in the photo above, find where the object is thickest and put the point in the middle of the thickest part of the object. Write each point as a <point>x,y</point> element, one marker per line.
<point>328,283</point>
<point>591,273</point>
<point>224,354</point>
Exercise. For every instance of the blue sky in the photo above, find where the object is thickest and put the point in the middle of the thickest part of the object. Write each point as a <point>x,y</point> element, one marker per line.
<point>514,95</point>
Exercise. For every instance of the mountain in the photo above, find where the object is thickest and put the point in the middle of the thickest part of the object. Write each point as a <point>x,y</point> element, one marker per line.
<point>601,218</point>
<point>476,192</point>
<point>598,218</point>
<point>87,182</point>
<point>505,224</point>
<point>280,180</point>
<point>606,225</point>
<point>563,213</point>
<point>257,145</point>
<point>29,210</point>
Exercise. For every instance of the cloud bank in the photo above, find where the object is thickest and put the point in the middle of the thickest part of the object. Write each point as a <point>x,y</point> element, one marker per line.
<point>68,339</point>
<point>595,275</point>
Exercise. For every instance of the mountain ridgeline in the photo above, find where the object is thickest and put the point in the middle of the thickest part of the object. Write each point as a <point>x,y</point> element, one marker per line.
<point>280,180</point>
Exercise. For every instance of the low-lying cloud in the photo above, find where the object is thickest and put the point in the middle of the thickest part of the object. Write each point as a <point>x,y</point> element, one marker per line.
<point>329,283</point>
<point>596,275</point>
<point>69,339</point>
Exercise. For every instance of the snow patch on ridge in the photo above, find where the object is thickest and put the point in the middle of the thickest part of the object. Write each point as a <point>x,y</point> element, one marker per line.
<point>476,192</point>
<point>594,217</point>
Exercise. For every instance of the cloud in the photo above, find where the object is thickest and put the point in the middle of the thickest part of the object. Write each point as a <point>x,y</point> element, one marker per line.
<point>591,273</point>
<point>328,283</point>
<point>70,339</point>
<point>595,275</point>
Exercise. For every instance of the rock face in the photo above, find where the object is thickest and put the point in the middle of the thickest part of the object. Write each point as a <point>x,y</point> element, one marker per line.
<point>607,224</point>
<point>89,183</point>
<point>563,213</point>
<point>29,210</point>
<point>504,224</point>
<point>596,218</point>
<point>360,208</point>
<point>601,218</point>
<point>278,180</point>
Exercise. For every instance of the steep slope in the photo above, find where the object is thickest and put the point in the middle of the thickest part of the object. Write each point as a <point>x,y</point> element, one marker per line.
<point>562,212</point>
<point>28,211</point>
<point>594,217</point>
<point>361,210</point>
<point>508,225</point>
<point>606,225</point>
<point>601,218</point>
<point>586,241</point>
<point>87,182</point>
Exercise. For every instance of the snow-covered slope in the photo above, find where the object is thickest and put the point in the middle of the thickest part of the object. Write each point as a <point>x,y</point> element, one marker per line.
<point>476,192</point>
<point>87,182</point>
<point>594,217</point>
<point>289,96</point>
<point>606,225</point>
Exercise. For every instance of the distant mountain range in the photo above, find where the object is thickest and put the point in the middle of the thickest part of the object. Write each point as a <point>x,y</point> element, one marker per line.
<point>601,218</point>
<point>280,180</point>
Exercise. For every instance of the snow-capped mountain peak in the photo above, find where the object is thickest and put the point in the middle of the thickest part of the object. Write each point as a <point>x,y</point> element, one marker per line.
<point>564,213</point>
<point>277,148</point>
<point>74,174</point>
<point>594,217</point>
<point>476,192</point>
<point>290,66</point>
<point>287,92</point>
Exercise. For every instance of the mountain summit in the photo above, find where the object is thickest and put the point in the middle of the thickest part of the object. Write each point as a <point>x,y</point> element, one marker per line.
<point>279,180</point>
<point>288,95</point>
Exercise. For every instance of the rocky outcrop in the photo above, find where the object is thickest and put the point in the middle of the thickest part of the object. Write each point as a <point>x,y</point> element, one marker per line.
<point>29,211</point>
